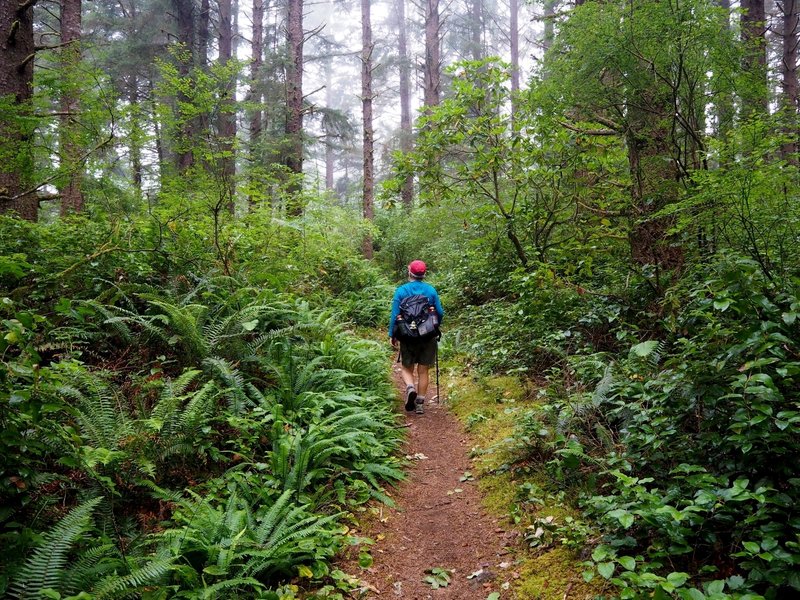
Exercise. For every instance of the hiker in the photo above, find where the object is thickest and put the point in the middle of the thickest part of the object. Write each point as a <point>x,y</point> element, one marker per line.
<point>414,324</point>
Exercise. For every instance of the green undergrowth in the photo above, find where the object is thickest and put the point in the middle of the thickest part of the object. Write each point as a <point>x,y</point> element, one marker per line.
<point>174,429</point>
<point>490,408</point>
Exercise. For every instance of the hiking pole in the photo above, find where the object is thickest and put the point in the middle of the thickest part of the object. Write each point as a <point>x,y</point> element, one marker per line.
<point>438,397</point>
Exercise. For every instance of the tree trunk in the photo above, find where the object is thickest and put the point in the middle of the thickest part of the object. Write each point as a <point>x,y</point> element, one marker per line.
<point>203,33</point>
<point>724,99</point>
<point>432,66</point>
<point>366,103</point>
<point>254,95</point>
<point>71,165</point>
<point>789,82</point>
<point>654,180</point>
<point>476,30</point>
<point>135,137</point>
<point>157,130</point>
<point>514,38</point>
<point>294,99</point>
<point>755,97</point>
<point>329,159</point>
<point>406,132</point>
<point>226,124</point>
<point>16,81</point>
<point>549,24</point>
<point>184,14</point>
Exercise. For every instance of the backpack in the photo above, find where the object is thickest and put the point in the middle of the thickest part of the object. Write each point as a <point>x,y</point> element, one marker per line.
<point>417,319</point>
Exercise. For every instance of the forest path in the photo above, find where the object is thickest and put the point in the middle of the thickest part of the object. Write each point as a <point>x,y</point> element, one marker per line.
<point>438,522</point>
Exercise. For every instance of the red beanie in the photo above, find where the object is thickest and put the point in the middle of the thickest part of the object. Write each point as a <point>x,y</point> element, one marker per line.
<point>417,269</point>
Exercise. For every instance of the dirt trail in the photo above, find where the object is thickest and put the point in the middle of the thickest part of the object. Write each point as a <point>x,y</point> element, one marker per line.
<point>438,522</point>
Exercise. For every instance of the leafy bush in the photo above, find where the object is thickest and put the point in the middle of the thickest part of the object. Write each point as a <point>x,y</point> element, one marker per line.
<point>685,449</point>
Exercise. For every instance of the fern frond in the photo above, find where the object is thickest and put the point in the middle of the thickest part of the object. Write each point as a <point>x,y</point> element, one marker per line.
<point>213,592</point>
<point>233,382</point>
<point>46,567</point>
<point>148,574</point>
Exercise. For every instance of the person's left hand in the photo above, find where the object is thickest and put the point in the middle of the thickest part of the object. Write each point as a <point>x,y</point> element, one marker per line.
<point>394,342</point>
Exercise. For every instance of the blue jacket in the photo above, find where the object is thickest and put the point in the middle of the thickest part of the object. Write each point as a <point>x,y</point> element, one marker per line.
<point>412,288</point>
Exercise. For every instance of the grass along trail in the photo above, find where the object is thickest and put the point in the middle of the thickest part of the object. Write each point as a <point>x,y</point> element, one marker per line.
<point>439,523</point>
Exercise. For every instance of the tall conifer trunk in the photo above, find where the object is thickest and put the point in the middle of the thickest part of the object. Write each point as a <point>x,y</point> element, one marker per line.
<point>135,138</point>
<point>329,161</point>
<point>227,117</point>
<point>549,24</point>
<point>514,39</point>
<point>433,61</point>
<point>16,82</point>
<point>69,149</point>
<point>184,13</point>
<point>789,83</point>
<point>203,33</point>
<point>294,98</point>
<point>406,133</point>
<point>476,27</point>
<point>755,97</point>
<point>366,103</point>
<point>254,96</point>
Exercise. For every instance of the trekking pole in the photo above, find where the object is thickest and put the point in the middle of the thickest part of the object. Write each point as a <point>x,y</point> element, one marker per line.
<point>438,397</point>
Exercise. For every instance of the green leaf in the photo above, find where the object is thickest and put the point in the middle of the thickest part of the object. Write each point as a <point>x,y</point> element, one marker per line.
<point>493,596</point>
<point>364,560</point>
<point>722,304</point>
<point>752,547</point>
<point>677,578</point>
<point>606,569</point>
<point>735,582</point>
<point>600,553</point>
<point>304,571</point>
<point>627,562</point>
<point>716,587</point>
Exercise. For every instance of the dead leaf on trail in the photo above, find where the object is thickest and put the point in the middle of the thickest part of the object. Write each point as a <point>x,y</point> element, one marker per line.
<point>416,456</point>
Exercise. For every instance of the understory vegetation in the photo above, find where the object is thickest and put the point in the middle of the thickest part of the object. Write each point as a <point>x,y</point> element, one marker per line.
<point>169,430</point>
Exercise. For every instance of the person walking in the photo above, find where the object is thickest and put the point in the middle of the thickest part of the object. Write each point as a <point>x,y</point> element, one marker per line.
<point>416,315</point>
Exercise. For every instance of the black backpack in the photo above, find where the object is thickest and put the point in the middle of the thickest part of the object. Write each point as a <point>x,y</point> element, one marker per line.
<point>417,319</point>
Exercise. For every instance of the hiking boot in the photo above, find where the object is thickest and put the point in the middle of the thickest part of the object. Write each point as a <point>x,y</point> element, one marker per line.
<point>411,397</point>
<point>419,407</point>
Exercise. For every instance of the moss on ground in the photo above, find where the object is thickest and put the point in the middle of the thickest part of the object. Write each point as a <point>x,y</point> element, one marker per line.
<point>489,408</point>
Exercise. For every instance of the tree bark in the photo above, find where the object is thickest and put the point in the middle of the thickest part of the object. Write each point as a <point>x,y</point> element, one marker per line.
<point>71,164</point>
<point>294,99</point>
<point>226,124</point>
<point>366,104</point>
<point>184,13</point>
<point>755,98</point>
<point>203,33</point>
<point>406,132</point>
<point>789,83</point>
<point>254,95</point>
<point>432,66</point>
<point>329,159</point>
<point>549,24</point>
<point>16,82</point>
<point>724,99</point>
<point>654,179</point>
<point>514,39</point>
<point>135,142</point>
<point>476,30</point>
